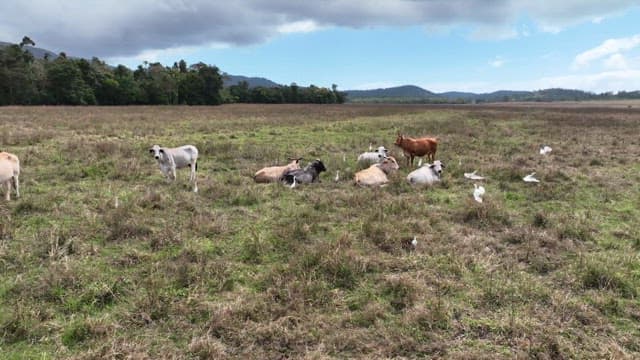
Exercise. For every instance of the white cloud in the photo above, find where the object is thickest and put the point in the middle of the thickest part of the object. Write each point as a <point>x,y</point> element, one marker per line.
<point>616,80</point>
<point>497,62</point>
<point>608,47</point>
<point>494,33</point>
<point>616,62</point>
<point>303,26</point>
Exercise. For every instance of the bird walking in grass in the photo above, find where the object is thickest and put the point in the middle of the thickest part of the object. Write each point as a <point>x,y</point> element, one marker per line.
<point>414,242</point>
<point>478,192</point>
<point>545,150</point>
<point>530,178</point>
<point>337,178</point>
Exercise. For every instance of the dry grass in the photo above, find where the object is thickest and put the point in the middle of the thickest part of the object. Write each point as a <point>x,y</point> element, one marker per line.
<point>103,259</point>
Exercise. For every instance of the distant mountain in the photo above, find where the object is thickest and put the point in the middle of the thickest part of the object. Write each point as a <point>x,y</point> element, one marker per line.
<point>37,52</point>
<point>406,91</point>
<point>415,94</point>
<point>252,81</point>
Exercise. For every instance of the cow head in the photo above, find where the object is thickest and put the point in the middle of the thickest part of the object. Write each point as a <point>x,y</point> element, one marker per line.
<point>437,167</point>
<point>389,164</point>
<point>399,139</point>
<point>156,151</point>
<point>318,165</point>
<point>382,150</point>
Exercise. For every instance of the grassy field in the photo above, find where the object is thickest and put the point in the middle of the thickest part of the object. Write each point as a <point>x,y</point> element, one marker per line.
<point>100,258</point>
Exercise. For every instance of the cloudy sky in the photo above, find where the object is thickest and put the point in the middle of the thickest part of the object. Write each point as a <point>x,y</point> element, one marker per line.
<point>440,45</point>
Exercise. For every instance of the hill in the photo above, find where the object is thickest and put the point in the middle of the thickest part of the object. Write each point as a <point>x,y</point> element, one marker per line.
<point>37,52</point>
<point>406,91</point>
<point>230,80</point>
<point>415,94</point>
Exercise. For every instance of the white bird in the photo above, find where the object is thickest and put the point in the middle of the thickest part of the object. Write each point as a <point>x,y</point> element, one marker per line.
<point>530,178</point>
<point>337,178</point>
<point>420,162</point>
<point>294,183</point>
<point>414,242</point>
<point>370,147</point>
<point>478,192</point>
<point>473,176</point>
<point>545,150</point>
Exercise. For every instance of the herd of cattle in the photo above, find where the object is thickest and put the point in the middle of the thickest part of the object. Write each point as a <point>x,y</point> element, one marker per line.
<point>377,166</point>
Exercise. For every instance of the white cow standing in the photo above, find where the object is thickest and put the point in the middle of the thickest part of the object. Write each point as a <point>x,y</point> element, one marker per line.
<point>171,159</point>
<point>9,173</point>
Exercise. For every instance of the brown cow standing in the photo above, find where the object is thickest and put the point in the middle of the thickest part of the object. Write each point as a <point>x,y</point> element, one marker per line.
<point>417,147</point>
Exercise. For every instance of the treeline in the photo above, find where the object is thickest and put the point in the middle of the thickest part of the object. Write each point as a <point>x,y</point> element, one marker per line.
<point>26,80</point>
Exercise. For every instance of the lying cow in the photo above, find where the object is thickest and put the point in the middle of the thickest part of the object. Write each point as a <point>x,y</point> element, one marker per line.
<point>310,173</point>
<point>9,173</point>
<point>372,157</point>
<point>428,174</point>
<point>275,173</point>
<point>171,159</point>
<point>376,174</point>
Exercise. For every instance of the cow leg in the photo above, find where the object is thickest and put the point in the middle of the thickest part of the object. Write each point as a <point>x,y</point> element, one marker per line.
<point>193,177</point>
<point>173,173</point>
<point>16,185</point>
<point>193,172</point>
<point>8,193</point>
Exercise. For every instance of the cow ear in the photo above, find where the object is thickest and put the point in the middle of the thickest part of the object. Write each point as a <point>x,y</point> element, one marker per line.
<point>162,151</point>
<point>442,164</point>
<point>151,151</point>
<point>431,166</point>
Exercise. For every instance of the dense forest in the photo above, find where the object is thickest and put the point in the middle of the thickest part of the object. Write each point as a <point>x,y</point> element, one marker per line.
<point>63,80</point>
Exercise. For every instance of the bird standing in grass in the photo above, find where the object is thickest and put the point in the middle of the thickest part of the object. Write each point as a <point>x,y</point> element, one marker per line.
<point>478,192</point>
<point>294,183</point>
<point>414,242</point>
<point>530,178</point>
<point>337,178</point>
<point>545,150</point>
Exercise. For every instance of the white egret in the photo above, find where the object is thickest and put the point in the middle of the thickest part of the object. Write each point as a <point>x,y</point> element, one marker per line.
<point>530,178</point>
<point>545,150</point>
<point>478,192</point>
<point>337,178</point>
<point>294,183</point>
<point>473,176</point>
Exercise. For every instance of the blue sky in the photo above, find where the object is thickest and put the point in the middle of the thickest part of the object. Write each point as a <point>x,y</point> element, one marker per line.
<point>454,45</point>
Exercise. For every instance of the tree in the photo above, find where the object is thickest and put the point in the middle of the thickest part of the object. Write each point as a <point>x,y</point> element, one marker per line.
<point>27,41</point>
<point>65,85</point>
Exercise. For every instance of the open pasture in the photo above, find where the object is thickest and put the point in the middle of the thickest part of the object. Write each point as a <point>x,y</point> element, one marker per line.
<point>101,258</point>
